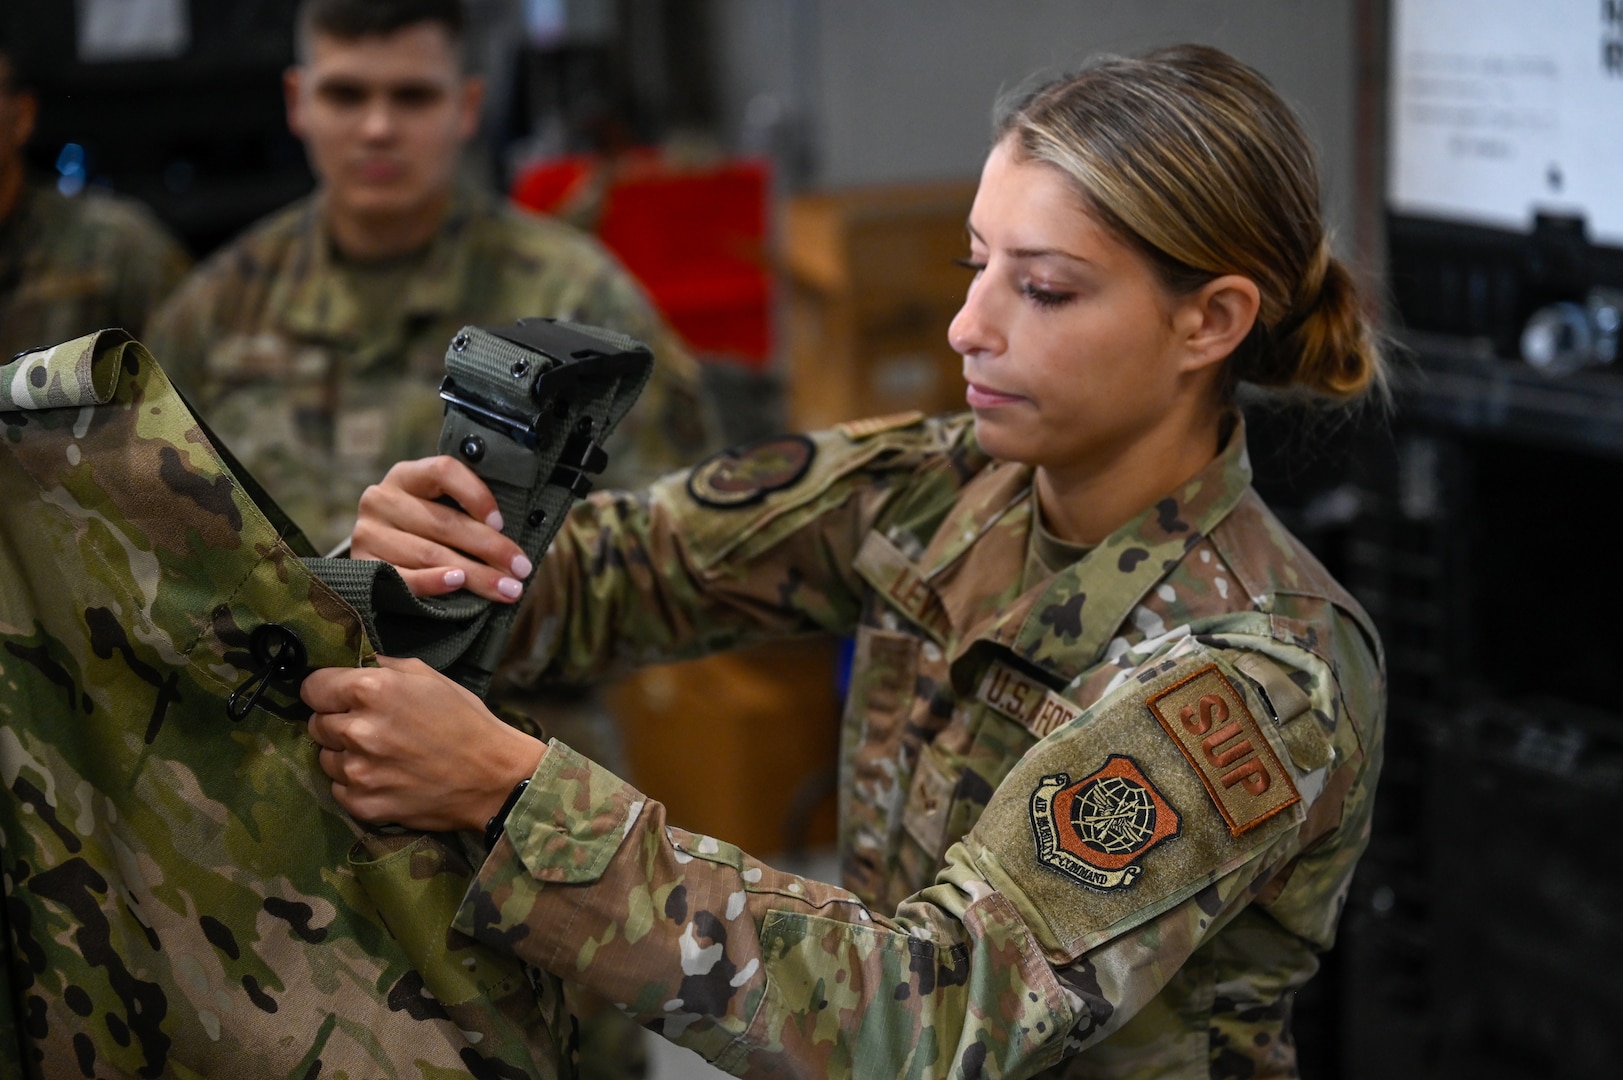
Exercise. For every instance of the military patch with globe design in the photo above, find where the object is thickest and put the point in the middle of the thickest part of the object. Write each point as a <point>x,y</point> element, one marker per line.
<point>1095,829</point>
<point>745,475</point>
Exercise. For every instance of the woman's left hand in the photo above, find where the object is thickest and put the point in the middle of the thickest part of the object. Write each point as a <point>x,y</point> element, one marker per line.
<point>406,745</point>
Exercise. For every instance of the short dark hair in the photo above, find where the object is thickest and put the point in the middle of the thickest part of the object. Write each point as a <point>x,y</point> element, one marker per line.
<point>352,19</point>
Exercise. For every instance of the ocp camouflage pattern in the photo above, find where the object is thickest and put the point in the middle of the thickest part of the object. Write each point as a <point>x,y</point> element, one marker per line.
<point>71,266</point>
<point>183,898</point>
<point>320,375</point>
<point>954,946</point>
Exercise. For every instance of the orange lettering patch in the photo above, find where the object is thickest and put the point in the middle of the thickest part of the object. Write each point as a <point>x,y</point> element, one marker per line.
<point>1209,721</point>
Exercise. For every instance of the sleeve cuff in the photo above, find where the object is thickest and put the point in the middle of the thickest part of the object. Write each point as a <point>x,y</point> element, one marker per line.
<point>564,830</point>
<point>571,820</point>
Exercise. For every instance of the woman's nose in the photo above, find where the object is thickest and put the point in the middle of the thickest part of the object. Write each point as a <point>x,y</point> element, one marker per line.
<point>973,329</point>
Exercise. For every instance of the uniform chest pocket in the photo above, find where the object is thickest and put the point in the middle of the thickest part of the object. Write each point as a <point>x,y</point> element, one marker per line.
<point>957,774</point>
<point>884,676</point>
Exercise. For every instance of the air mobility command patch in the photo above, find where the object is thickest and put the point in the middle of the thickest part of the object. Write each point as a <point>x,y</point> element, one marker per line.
<point>1095,829</point>
<point>1208,720</point>
<point>744,475</point>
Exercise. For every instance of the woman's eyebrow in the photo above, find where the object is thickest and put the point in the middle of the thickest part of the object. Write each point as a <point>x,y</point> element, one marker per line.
<point>1031,253</point>
<point>1046,253</point>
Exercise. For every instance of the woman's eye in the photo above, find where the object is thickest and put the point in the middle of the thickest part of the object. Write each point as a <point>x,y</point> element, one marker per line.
<point>970,264</point>
<point>1046,298</point>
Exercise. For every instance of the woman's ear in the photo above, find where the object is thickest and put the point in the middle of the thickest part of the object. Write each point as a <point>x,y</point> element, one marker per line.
<point>1216,318</point>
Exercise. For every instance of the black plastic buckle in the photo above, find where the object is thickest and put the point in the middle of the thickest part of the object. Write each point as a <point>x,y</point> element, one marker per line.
<point>582,451</point>
<point>523,431</point>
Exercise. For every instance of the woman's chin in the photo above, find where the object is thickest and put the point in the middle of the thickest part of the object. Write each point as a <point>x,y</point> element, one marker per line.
<point>999,436</point>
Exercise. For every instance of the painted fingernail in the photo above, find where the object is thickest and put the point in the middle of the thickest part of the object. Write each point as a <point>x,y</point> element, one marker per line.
<point>455,579</point>
<point>509,588</point>
<point>521,567</point>
<point>494,520</point>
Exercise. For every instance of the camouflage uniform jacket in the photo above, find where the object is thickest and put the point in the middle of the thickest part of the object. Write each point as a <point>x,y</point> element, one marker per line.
<point>318,391</point>
<point>183,898</point>
<point>72,266</point>
<point>1111,812</point>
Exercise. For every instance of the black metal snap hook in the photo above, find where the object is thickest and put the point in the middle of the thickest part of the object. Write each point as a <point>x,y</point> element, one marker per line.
<point>280,657</point>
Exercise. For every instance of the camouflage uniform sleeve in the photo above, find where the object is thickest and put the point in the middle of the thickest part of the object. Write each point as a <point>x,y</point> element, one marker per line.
<point>674,423</point>
<point>1114,850</point>
<point>664,575</point>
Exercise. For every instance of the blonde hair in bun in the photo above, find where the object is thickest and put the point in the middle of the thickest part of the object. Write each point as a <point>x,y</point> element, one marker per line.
<point>1192,158</point>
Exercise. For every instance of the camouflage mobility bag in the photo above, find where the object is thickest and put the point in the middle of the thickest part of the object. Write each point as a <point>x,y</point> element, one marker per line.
<point>183,897</point>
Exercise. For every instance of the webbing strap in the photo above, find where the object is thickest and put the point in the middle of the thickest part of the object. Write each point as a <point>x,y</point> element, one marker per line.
<point>527,408</point>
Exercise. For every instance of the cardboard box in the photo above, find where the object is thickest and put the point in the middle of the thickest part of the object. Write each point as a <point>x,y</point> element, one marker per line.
<point>872,288</point>
<point>742,746</point>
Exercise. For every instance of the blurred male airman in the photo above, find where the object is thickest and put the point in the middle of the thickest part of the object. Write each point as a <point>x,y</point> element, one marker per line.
<point>315,342</point>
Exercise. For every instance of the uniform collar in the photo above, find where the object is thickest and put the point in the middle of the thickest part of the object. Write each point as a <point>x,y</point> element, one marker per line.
<point>317,301</point>
<point>1063,626</point>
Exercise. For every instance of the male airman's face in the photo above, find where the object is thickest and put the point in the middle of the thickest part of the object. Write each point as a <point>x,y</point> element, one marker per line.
<point>383,119</point>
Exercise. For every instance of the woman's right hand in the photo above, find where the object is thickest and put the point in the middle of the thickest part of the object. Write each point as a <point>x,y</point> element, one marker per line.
<point>438,548</point>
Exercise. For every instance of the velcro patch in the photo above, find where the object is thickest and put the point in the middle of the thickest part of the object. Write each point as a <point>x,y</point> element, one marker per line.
<point>1095,829</point>
<point>1025,700</point>
<point>1209,721</point>
<point>745,475</point>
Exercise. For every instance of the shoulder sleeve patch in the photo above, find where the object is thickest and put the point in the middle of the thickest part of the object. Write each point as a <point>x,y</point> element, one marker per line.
<point>744,475</point>
<point>1211,724</point>
<point>877,425</point>
<point>1096,828</point>
<point>1108,822</point>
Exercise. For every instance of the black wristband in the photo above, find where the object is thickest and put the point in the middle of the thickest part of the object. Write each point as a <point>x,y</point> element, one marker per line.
<point>493,827</point>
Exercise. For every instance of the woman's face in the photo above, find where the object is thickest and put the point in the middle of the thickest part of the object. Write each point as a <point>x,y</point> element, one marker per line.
<point>1072,349</point>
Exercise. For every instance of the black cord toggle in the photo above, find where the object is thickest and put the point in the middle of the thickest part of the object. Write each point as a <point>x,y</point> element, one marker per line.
<point>281,658</point>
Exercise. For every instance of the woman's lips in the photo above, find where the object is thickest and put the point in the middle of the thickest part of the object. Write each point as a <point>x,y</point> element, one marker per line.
<point>984,397</point>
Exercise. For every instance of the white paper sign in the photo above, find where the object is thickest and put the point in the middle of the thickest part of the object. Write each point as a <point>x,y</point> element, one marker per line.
<point>1504,108</point>
<point>132,30</point>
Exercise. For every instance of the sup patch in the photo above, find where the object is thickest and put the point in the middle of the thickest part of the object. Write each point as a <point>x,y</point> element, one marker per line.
<point>1096,829</point>
<point>744,475</point>
<point>1209,721</point>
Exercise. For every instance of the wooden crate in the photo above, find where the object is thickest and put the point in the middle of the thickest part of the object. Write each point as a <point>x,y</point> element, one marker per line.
<point>872,287</point>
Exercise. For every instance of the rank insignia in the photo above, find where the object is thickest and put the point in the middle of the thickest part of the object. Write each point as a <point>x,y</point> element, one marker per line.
<point>1096,829</point>
<point>745,475</point>
<point>867,428</point>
